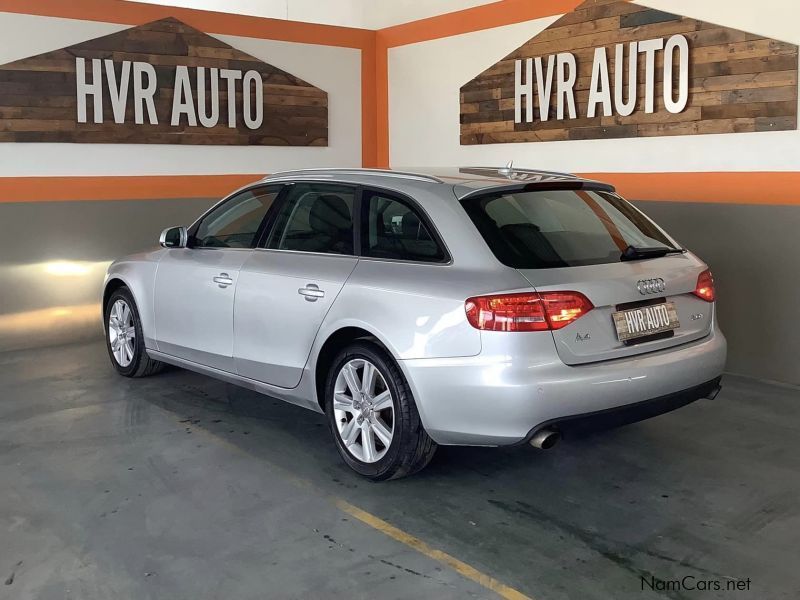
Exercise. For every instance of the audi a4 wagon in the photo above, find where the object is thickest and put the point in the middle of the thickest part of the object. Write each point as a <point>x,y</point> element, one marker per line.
<point>480,306</point>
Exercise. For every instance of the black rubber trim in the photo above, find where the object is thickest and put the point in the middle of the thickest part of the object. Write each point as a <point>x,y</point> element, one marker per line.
<point>584,423</point>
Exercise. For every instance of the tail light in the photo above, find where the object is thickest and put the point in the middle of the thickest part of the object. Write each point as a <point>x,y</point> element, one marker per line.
<point>705,286</point>
<point>526,311</point>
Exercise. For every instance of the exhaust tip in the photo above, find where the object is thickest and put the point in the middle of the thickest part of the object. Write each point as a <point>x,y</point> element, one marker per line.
<point>544,439</point>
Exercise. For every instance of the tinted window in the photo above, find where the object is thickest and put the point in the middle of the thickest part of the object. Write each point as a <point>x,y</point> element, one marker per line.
<point>392,229</point>
<point>315,217</point>
<point>235,223</point>
<point>560,228</point>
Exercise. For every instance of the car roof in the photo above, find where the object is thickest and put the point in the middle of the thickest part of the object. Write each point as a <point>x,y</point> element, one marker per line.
<point>464,181</point>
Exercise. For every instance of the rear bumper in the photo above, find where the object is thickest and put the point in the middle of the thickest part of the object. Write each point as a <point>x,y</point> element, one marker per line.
<point>609,418</point>
<point>519,384</point>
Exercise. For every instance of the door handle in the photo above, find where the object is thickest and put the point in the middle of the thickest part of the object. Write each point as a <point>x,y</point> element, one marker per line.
<point>223,279</point>
<point>311,292</point>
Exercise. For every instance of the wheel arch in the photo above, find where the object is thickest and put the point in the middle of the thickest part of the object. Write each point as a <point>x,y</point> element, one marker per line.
<point>138,276</point>
<point>334,342</point>
<point>112,285</point>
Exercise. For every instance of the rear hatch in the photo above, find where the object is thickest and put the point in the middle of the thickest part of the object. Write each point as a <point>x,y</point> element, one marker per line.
<point>613,288</point>
<point>582,237</point>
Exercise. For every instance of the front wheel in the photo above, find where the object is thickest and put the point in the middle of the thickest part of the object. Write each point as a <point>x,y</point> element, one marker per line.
<point>124,337</point>
<point>373,416</point>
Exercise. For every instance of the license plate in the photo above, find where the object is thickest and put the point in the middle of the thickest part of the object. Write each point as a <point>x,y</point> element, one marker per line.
<point>647,320</point>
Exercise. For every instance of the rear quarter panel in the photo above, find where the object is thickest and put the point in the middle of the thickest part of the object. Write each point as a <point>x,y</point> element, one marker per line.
<point>416,310</point>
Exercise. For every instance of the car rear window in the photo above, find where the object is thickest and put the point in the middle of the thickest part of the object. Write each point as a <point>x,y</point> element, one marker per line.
<point>560,228</point>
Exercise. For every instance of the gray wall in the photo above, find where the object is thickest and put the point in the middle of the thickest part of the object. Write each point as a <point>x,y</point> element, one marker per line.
<point>53,256</point>
<point>753,251</point>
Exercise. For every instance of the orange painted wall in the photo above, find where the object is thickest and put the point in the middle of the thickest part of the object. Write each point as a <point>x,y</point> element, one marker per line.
<point>735,187</point>
<point>776,188</point>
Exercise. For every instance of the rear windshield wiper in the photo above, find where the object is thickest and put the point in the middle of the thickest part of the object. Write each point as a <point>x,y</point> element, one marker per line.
<point>634,253</point>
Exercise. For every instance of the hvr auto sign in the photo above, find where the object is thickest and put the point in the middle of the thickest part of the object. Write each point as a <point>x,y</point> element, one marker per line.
<point>565,68</point>
<point>162,82</point>
<point>142,77</point>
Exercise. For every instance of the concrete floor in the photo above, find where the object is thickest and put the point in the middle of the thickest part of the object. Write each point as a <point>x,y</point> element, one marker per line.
<point>179,486</point>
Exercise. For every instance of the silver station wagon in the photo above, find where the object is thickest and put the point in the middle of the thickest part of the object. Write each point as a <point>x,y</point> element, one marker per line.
<point>480,306</point>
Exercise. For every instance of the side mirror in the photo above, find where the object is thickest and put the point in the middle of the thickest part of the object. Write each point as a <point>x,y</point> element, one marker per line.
<point>173,237</point>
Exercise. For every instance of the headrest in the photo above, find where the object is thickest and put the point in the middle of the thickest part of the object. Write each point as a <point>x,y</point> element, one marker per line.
<point>329,215</point>
<point>412,227</point>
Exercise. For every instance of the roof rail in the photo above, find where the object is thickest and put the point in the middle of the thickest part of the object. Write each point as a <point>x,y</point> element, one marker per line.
<point>358,171</point>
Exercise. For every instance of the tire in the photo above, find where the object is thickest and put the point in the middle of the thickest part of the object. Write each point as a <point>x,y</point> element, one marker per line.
<point>135,363</point>
<point>410,448</point>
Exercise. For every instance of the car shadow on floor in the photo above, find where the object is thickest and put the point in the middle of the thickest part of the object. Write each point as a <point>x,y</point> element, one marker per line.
<point>639,501</point>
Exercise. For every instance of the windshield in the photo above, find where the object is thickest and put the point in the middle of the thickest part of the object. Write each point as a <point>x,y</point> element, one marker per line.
<point>561,228</point>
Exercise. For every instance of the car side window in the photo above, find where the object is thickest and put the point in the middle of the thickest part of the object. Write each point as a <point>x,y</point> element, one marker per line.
<point>235,223</point>
<point>315,217</point>
<point>392,229</point>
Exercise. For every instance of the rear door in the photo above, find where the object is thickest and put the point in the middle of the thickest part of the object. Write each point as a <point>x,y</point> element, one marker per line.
<point>288,285</point>
<point>574,240</point>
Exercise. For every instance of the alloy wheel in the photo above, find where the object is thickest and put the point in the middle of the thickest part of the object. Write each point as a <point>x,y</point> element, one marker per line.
<point>363,410</point>
<point>121,333</point>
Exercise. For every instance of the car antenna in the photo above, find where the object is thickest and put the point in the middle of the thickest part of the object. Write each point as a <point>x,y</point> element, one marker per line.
<point>507,170</point>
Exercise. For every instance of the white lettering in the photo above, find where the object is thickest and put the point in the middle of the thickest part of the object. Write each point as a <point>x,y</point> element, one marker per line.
<point>143,95</point>
<point>118,93</point>
<point>649,47</point>
<point>620,96</point>
<point>182,101</point>
<point>94,89</point>
<point>679,43</point>
<point>544,85</point>
<point>600,88</point>
<point>253,78</point>
<point>207,120</point>
<point>143,78</point>
<point>625,108</point>
<point>565,84</point>
<point>523,89</point>
<point>232,77</point>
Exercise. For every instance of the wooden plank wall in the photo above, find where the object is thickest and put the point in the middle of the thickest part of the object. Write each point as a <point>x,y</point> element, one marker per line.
<point>738,82</point>
<point>38,95</point>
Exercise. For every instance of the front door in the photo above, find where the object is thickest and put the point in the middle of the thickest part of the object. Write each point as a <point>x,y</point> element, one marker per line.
<point>195,286</point>
<point>286,288</point>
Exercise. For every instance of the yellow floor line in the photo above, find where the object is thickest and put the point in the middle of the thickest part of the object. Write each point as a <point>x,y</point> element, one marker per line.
<point>417,544</point>
<point>460,567</point>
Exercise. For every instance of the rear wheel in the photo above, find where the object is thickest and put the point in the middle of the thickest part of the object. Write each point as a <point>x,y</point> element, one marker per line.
<point>124,337</point>
<point>372,415</point>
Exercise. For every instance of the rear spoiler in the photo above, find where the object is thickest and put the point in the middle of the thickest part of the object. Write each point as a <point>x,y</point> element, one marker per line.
<point>542,186</point>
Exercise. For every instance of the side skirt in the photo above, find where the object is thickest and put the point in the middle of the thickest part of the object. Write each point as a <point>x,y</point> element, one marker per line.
<point>293,396</point>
